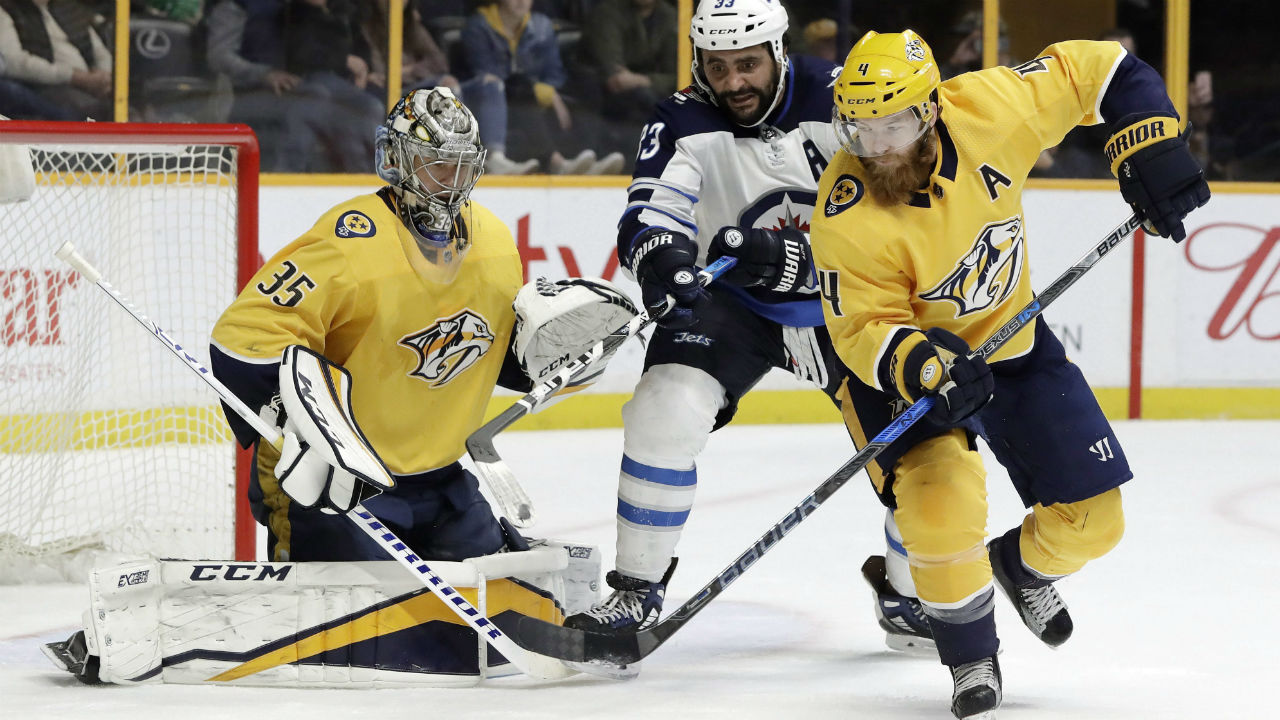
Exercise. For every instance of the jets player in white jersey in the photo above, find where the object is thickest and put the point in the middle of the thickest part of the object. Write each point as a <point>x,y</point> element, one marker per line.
<point>734,157</point>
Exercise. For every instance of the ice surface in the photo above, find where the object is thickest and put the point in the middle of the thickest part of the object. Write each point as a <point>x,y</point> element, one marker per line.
<point>1178,622</point>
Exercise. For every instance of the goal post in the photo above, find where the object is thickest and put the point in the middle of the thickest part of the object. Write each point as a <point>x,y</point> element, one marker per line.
<point>106,446</point>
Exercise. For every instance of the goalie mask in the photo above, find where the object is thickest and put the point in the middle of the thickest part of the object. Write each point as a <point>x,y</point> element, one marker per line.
<point>429,151</point>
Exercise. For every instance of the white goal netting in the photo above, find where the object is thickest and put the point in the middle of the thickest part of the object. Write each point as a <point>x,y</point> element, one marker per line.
<point>109,444</point>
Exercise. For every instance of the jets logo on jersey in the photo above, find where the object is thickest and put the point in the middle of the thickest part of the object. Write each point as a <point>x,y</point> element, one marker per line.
<point>987,274</point>
<point>354,224</point>
<point>845,194</point>
<point>780,209</point>
<point>449,347</point>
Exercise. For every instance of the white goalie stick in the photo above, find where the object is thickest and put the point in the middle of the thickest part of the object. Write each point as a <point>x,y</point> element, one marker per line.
<point>585,647</point>
<point>513,501</point>
<point>543,668</point>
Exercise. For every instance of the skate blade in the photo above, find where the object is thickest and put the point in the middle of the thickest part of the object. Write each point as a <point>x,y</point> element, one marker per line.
<point>57,654</point>
<point>911,645</point>
<point>606,670</point>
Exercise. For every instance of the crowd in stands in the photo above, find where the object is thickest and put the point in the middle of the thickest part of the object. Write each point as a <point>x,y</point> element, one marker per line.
<point>558,86</point>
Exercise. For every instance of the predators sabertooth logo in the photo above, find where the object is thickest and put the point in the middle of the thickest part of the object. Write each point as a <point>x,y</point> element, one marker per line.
<point>987,274</point>
<point>450,346</point>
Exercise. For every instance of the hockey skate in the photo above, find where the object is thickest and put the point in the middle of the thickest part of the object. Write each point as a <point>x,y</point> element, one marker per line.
<point>73,656</point>
<point>976,689</point>
<point>901,617</point>
<point>634,605</point>
<point>1038,602</point>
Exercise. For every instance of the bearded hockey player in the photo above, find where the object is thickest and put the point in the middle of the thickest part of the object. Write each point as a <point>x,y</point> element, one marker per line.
<point>406,308</point>
<point>728,166</point>
<point>920,246</point>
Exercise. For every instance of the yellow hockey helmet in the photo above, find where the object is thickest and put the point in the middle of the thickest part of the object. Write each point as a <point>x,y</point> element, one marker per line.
<point>889,75</point>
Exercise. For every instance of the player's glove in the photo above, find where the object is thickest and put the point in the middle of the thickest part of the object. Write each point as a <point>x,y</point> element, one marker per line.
<point>937,363</point>
<point>664,263</point>
<point>1159,177</point>
<point>777,260</point>
<point>325,459</point>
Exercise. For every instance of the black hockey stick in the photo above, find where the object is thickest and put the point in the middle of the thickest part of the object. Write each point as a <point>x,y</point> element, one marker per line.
<point>497,475</point>
<point>620,649</point>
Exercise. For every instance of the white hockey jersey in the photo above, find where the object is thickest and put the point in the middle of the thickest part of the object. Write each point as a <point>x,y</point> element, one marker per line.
<point>698,171</point>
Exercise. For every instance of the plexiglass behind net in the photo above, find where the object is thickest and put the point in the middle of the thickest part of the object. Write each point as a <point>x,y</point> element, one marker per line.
<point>108,443</point>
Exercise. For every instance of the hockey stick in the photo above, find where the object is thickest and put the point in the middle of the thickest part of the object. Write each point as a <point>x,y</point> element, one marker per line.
<point>543,668</point>
<point>513,501</point>
<point>584,646</point>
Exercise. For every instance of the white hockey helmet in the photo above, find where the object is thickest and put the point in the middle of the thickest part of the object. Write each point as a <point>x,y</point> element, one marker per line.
<point>736,25</point>
<point>429,151</point>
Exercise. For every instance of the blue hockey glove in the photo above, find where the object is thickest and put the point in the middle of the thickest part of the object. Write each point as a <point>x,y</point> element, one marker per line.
<point>777,260</point>
<point>664,262</point>
<point>1159,177</point>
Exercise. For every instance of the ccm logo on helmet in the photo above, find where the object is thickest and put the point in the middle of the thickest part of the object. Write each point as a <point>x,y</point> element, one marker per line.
<point>722,31</point>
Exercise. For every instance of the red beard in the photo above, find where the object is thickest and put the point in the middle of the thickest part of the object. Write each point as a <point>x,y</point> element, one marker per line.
<point>895,182</point>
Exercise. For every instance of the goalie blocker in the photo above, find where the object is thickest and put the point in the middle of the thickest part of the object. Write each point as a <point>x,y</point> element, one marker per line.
<point>315,624</point>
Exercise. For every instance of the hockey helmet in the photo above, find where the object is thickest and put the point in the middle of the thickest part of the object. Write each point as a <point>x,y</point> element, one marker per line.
<point>885,97</point>
<point>737,25</point>
<point>429,151</point>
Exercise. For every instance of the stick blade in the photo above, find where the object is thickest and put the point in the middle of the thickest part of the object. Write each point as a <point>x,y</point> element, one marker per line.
<point>513,503</point>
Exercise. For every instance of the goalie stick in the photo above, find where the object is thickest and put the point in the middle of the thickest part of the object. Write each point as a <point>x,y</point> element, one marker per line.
<point>585,647</point>
<point>543,668</point>
<point>513,501</point>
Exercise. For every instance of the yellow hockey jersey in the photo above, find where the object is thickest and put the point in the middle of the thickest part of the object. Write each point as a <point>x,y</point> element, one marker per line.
<point>424,357</point>
<point>955,256</point>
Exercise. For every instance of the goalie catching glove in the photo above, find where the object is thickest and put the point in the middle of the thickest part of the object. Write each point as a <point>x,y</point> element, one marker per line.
<point>325,459</point>
<point>558,321</point>
<point>1159,177</point>
<point>937,363</point>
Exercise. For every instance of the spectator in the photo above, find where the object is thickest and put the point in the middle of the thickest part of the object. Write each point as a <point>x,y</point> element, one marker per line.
<point>323,47</point>
<point>630,55</point>
<point>55,50</point>
<point>504,39</point>
<point>1122,36</point>
<point>820,39</point>
<point>967,55</point>
<point>248,43</point>
<point>19,102</point>
<point>424,65</point>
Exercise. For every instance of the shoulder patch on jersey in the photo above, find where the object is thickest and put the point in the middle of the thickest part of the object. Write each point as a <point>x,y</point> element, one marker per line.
<point>846,193</point>
<point>354,223</point>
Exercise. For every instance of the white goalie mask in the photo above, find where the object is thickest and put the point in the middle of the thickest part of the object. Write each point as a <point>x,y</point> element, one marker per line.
<point>429,151</point>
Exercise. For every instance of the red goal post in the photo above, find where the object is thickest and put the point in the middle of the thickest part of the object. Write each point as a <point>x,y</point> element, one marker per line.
<point>106,445</point>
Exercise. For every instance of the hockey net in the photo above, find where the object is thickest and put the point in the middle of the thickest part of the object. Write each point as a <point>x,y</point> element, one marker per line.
<point>109,445</point>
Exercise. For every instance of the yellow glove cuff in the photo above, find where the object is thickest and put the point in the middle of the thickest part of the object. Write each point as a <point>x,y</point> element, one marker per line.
<point>1144,133</point>
<point>909,382</point>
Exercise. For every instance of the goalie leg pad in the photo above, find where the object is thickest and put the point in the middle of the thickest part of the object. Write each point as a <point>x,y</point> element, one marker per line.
<point>558,321</point>
<point>318,624</point>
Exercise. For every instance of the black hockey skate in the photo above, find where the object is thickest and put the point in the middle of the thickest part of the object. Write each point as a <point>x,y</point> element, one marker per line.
<point>976,689</point>
<point>634,605</point>
<point>1038,602</point>
<point>901,617</point>
<point>73,656</point>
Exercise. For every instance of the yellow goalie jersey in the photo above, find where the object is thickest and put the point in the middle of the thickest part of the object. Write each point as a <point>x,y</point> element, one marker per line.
<point>955,256</point>
<point>424,357</point>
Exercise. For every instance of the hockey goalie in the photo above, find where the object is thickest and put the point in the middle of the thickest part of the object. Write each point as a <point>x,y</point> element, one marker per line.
<point>371,346</point>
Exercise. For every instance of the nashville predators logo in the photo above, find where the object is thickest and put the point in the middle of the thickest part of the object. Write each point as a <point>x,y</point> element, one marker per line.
<point>354,224</point>
<point>987,274</point>
<point>449,347</point>
<point>844,194</point>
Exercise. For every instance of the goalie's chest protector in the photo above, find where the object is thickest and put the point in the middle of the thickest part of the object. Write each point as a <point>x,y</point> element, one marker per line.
<point>424,357</point>
<point>955,256</point>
